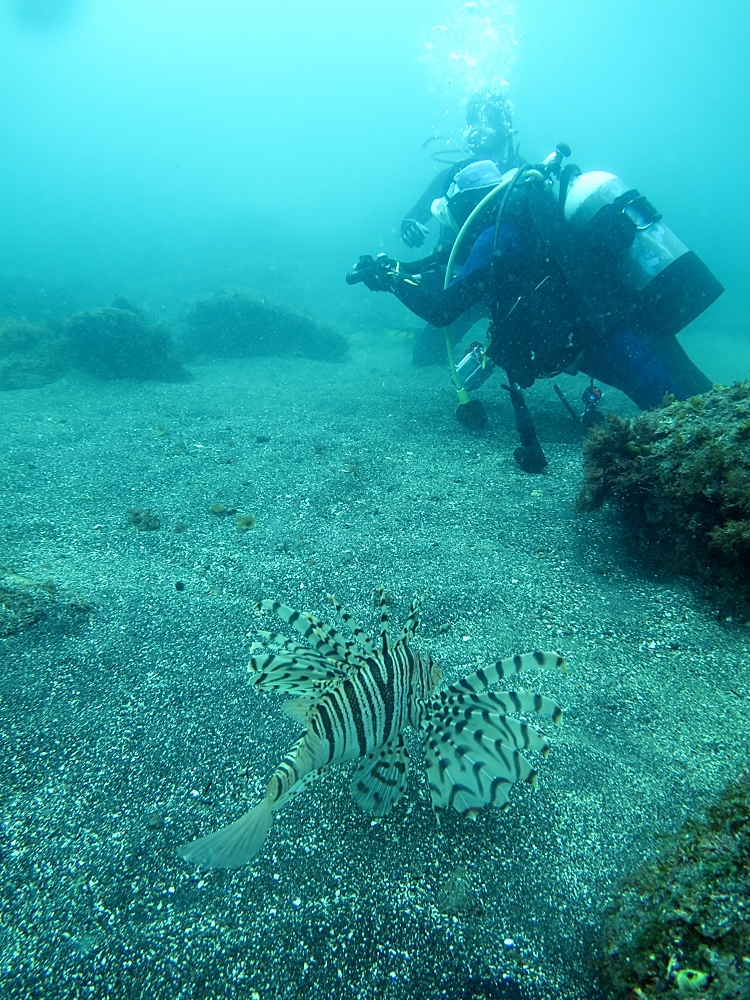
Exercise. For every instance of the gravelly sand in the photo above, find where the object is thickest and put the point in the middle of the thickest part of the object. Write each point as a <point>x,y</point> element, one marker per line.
<point>127,725</point>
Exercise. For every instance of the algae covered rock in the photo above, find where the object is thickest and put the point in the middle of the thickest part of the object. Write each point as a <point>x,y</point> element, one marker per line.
<point>680,926</point>
<point>681,478</point>
<point>25,602</point>
<point>237,325</point>
<point>31,354</point>
<point>110,343</point>
<point>116,342</point>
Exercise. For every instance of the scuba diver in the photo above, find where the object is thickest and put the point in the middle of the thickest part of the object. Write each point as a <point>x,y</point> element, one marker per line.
<point>579,274</point>
<point>489,138</point>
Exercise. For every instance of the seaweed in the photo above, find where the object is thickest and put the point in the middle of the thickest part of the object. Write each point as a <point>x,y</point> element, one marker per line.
<point>233,324</point>
<point>116,342</point>
<point>680,476</point>
<point>680,925</point>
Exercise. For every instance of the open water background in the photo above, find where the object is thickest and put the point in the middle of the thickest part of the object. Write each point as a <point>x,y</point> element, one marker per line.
<point>161,151</point>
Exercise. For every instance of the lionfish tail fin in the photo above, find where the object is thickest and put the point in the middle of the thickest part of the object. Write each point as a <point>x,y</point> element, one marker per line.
<point>233,845</point>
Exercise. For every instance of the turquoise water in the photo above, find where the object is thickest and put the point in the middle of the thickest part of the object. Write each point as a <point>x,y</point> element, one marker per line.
<point>162,153</point>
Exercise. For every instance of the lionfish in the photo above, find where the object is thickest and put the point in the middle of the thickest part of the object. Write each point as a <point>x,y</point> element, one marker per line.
<point>357,696</point>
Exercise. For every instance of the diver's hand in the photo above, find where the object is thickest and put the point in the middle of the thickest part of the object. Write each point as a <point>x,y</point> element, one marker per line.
<point>377,274</point>
<point>413,233</point>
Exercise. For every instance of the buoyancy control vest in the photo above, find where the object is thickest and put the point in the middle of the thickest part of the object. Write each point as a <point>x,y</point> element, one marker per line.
<point>539,327</point>
<point>597,257</point>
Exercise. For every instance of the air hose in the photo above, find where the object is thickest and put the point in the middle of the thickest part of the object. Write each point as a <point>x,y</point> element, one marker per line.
<point>505,187</point>
<point>463,396</point>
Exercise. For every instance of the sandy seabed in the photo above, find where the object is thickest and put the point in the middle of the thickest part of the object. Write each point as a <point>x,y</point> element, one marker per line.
<point>128,727</point>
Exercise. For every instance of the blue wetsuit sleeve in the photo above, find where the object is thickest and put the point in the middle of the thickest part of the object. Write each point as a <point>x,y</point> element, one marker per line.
<point>442,308</point>
<point>468,287</point>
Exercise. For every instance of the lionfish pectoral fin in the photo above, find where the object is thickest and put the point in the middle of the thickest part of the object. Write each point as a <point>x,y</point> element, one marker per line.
<point>485,677</point>
<point>380,778</point>
<point>473,757</point>
<point>234,845</point>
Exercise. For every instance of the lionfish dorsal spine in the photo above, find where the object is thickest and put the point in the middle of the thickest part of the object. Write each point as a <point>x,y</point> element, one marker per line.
<point>357,631</point>
<point>382,601</point>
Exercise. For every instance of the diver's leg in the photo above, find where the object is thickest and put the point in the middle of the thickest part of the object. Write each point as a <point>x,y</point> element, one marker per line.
<point>528,454</point>
<point>625,362</point>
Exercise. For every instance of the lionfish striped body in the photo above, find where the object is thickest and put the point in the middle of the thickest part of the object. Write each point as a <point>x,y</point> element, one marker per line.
<point>356,697</point>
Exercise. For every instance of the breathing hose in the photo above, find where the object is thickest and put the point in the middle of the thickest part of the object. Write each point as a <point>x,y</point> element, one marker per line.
<point>505,187</point>
<point>463,396</point>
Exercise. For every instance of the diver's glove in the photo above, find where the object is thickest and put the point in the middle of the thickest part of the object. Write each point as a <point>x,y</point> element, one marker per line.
<point>413,232</point>
<point>378,274</point>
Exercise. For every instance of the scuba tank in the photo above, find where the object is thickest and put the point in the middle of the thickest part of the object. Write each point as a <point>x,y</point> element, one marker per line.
<point>662,284</point>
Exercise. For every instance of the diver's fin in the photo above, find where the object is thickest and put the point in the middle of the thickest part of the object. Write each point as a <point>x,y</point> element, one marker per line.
<point>233,845</point>
<point>380,778</point>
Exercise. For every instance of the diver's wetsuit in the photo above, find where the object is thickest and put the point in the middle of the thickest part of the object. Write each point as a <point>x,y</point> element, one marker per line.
<point>539,327</point>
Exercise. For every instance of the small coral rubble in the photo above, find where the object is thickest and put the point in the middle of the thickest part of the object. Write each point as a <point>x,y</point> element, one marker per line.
<point>681,477</point>
<point>680,926</point>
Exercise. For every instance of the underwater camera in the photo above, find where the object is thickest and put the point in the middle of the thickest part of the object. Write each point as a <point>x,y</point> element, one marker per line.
<point>475,367</point>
